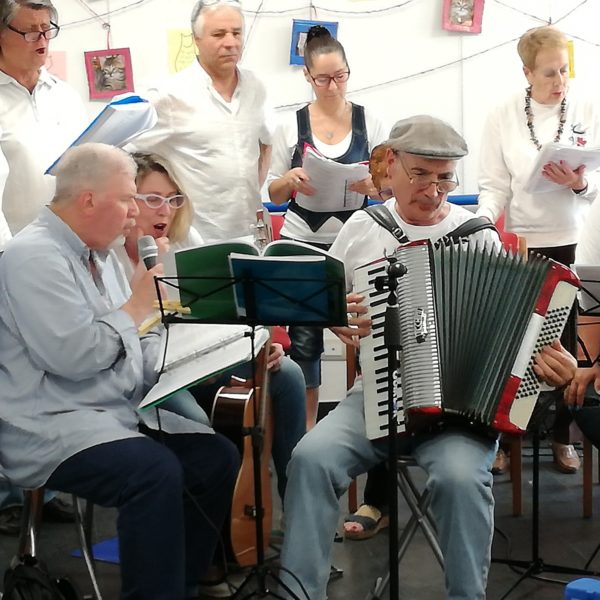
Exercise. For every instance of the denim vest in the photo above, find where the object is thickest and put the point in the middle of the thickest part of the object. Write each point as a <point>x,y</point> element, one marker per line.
<point>357,151</point>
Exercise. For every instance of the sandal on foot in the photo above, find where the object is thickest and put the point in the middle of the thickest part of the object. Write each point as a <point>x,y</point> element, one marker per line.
<point>369,519</point>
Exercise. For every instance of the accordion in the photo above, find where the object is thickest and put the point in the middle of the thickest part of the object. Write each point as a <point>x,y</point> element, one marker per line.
<point>472,320</point>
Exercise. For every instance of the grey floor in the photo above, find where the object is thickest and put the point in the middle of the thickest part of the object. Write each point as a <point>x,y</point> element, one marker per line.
<point>566,538</point>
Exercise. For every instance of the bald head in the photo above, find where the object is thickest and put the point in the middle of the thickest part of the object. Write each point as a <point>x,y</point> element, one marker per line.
<point>95,193</point>
<point>90,167</point>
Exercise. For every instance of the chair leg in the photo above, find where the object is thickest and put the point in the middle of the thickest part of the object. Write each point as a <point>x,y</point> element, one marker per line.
<point>33,502</point>
<point>516,471</point>
<point>588,460</point>
<point>353,497</point>
<point>418,503</point>
<point>83,523</point>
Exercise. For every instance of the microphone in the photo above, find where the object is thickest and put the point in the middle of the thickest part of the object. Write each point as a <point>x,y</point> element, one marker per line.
<point>148,251</point>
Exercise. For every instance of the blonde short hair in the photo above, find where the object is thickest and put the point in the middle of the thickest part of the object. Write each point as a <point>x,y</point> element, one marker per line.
<point>539,38</point>
<point>182,219</point>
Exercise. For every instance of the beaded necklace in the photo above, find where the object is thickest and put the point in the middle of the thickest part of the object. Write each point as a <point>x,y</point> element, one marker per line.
<point>529,114</point>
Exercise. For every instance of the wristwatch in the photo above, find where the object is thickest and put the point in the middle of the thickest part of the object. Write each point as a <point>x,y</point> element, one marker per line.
<point>582,190</point>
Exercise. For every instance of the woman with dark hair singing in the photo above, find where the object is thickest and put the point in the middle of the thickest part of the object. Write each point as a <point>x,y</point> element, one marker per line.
<point>339,130</point>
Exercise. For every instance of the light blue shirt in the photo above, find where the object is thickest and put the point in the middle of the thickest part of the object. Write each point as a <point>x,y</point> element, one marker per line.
<point>72,366</point>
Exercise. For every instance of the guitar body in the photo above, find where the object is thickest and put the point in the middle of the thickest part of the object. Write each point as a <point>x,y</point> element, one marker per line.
<point>233,414</point>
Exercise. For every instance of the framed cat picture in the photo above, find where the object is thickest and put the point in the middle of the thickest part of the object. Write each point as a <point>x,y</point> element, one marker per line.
<point>108,72</point>
<point>462,15</point>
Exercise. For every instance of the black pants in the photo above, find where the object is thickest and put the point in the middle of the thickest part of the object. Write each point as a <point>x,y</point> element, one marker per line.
<point>165,542</point>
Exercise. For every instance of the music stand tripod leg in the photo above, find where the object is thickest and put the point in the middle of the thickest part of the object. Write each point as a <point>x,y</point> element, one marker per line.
<point>536,565</point>
<point>261,571</point>
<point>391,337</point>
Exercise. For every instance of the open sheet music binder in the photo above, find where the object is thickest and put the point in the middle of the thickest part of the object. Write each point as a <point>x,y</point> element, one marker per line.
<point>295,284</point>
<point>589,295</point>
<point>192,353</point>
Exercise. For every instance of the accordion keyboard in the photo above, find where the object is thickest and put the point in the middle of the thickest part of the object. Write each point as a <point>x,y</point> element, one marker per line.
<point>373,355</point>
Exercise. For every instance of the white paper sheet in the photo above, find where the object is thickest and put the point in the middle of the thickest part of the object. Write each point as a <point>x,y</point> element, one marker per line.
<point>331,181</point>
<point>574,156</point>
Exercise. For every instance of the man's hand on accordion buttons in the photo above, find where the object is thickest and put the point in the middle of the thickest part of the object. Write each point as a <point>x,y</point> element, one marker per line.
<point>555,365</point>
<point>358,326</point>
<point>575,392</point>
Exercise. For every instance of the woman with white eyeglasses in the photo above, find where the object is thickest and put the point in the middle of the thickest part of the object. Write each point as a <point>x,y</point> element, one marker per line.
<point>166,214</point>
<point>340,130</point>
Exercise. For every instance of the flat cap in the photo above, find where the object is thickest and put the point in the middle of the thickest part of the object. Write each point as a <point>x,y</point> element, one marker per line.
<point>428,137</point>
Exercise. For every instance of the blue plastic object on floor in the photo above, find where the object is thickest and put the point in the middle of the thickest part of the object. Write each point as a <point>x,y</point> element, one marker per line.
<point>107,551</point>
<point>583,589</point>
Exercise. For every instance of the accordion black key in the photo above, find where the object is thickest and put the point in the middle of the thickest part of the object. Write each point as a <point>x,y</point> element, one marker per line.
<point>472,320</point>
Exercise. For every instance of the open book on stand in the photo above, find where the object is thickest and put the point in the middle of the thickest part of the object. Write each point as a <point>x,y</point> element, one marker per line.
<point>574,156</point>
<point>289,283</point>
<point>123,119</point>
<point>192,353</point>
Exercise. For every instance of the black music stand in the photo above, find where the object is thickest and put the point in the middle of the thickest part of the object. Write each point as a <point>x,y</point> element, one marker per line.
<point>391,337</point>
<point>535,565</point>
<point>323,300</point>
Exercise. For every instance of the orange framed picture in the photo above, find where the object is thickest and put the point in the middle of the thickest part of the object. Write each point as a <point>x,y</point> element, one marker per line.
<point>462,15</point>
<point>108,72</point>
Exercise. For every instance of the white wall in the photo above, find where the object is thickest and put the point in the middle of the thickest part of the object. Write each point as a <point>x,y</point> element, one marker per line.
<point>402,61</point>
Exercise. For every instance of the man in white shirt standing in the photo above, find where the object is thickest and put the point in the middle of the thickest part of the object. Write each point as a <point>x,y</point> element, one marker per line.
<point>40,115</point>
<point>213,126</point>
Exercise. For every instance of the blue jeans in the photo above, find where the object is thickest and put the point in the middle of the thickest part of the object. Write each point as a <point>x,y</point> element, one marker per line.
<point>337,450</point>
<point>172,498</point>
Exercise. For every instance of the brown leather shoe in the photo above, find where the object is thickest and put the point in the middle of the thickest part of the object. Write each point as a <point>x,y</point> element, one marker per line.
<point>500,464</point>
<point>566,459</point>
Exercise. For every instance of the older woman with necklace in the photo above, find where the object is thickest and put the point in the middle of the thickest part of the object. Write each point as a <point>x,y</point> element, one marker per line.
<point>514,134</point>
<point>340,130</point>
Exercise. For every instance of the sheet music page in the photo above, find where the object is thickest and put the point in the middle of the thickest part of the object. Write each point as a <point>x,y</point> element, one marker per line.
<point>331,181</point>
<point>126,117</point>
<point>589,294</point>
<point>574,156</point>
<point>208,354</point>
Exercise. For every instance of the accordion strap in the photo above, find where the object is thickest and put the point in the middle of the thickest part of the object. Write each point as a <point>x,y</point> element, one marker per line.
<point>380,214</point>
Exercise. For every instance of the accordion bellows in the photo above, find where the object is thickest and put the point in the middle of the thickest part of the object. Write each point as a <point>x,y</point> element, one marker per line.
<point>471,323</point>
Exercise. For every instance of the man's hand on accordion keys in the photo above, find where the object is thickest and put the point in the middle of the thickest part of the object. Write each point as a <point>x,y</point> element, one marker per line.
<point>358,325</point>
<point>555,365</point>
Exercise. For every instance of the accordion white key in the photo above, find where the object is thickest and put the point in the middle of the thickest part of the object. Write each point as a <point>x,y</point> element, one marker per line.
<point>471,323</point>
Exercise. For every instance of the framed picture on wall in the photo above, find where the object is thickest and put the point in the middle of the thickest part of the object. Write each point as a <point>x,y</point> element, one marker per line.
<point>462,15</point>
<point>299,30</point>
<point>108,72</point>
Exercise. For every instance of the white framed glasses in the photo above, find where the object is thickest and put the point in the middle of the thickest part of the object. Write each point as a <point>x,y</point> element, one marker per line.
<point>156,200</point>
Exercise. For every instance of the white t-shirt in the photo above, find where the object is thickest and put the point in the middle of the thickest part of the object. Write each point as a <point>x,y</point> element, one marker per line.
<point>284,145</point>
<point>508,155</point>
<point>362,240</point>
<point>212,146</point>
<point>35,129</point>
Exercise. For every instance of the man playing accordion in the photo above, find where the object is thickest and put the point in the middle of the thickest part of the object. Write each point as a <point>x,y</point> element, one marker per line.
<point>422,161</point>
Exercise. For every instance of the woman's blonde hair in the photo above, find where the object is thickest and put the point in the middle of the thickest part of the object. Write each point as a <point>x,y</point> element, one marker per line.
<point>182,219</point>
<point>539,38</point>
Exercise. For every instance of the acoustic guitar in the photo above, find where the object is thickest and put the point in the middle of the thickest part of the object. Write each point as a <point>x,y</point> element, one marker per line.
<point>235,413</point>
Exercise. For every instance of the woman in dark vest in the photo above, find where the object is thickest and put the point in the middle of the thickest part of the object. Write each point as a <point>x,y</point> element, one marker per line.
<point>340,130</point>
